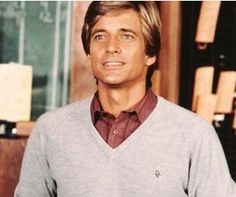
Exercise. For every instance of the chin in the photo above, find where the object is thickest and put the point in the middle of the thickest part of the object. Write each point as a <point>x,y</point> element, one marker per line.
<point>112,83</point>
<point>112,80</point>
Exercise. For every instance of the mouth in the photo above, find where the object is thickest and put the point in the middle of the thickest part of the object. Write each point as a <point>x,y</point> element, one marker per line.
<point>113,63</point>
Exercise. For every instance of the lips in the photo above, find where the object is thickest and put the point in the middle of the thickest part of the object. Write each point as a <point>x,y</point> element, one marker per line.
<point>113,63</point>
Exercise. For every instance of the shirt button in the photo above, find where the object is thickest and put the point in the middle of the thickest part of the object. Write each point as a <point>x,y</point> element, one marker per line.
<point>115,132</point>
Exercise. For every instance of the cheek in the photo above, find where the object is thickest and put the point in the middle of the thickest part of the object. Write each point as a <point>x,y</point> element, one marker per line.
<point>95,54</point>
<point>138,51</point>
<point>96,48</point>
<point>139,57</point>
<point>92,59</point>
<point>89,60</point>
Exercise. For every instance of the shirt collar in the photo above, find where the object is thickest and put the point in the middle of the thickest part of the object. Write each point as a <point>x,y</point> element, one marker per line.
<point>142,108</point>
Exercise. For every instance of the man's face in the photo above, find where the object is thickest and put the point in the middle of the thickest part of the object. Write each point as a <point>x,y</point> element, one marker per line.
<point>117,50</point>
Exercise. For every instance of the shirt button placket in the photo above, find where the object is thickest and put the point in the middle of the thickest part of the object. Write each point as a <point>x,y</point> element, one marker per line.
<point>115,132</point>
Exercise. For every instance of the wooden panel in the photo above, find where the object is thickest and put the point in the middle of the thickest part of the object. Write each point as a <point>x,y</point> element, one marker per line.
<point>203,82</point>
<point>170,49</point>
<point>207,21</point>
<point>82,81</point>
<point>11,154</point>
<point>234,122</point>
<point>24,128</point>
<point>156,81</point>
<point>206,105</point>
<point>225,91</point>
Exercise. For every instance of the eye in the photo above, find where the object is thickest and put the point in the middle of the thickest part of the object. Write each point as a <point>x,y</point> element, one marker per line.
<point>127,36</point>
<point>99,37</point>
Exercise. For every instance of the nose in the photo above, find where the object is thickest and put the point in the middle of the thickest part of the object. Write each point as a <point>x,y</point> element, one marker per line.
<point>113,46</point>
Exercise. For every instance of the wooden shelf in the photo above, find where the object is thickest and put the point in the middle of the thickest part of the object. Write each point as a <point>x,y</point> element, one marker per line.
<point>24,128</point>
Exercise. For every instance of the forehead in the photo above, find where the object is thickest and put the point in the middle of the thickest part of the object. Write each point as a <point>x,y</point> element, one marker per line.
<point>125,18</point>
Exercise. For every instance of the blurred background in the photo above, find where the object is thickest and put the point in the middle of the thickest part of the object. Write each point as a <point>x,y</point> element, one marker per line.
<point>196,66</point>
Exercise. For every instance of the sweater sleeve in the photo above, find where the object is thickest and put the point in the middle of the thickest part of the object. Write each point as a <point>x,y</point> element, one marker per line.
<point>209,174</point>
<point>35,179</point>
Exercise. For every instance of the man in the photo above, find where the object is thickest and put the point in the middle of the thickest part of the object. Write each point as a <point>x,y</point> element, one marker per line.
<point>123,141</point>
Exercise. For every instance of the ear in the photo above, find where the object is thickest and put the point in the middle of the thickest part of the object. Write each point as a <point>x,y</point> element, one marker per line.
<point>150,60</point>
<point>89,59</point>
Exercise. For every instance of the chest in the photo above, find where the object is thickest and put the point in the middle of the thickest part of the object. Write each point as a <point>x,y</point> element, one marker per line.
<point>149,167</point>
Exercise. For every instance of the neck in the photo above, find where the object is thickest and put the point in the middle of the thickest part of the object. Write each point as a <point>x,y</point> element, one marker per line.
<point>115,100</point>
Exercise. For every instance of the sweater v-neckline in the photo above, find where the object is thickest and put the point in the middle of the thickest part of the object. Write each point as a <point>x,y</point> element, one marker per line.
<point>139,131</point>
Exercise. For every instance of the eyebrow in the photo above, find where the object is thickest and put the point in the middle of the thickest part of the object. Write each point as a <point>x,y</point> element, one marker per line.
<point>122,30</point>
<point>97,31</point>
<point>128,30</point>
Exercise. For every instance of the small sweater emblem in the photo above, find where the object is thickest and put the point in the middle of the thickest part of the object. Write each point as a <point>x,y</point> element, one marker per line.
<point>157,173</point>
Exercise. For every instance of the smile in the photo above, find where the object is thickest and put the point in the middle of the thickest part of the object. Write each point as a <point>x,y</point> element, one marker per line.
<point>113,63</point>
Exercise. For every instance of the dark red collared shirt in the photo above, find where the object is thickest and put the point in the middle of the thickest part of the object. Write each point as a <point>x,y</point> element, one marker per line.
<point>115,130</point>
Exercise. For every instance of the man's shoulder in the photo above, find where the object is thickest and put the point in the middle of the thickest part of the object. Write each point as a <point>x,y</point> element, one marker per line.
<point>66,114</point>
<point>182,117</point>
<point>184,124</point>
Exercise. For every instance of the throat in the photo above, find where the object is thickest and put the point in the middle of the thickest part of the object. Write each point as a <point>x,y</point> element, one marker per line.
<point>115,102</point>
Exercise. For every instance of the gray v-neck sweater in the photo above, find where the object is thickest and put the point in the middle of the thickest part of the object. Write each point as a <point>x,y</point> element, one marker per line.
<point>174,153</point>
